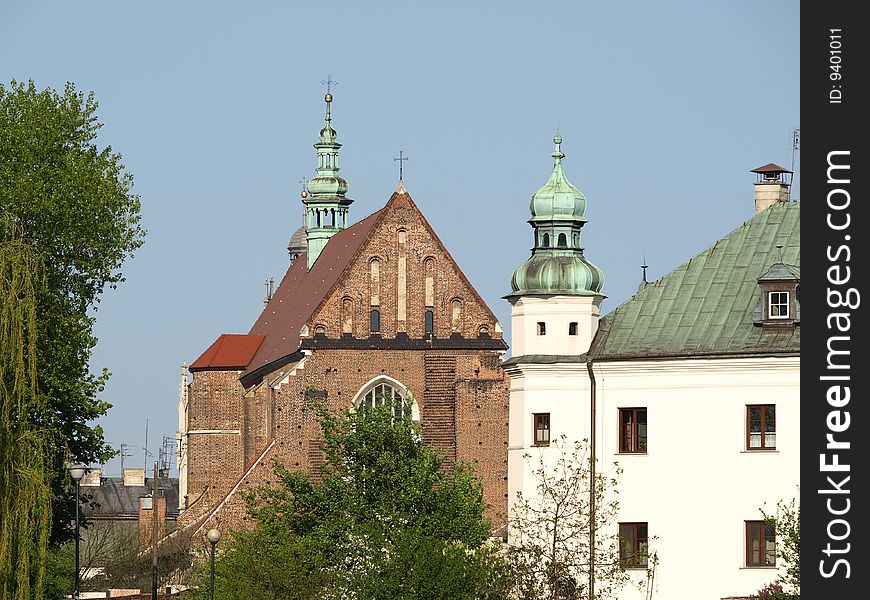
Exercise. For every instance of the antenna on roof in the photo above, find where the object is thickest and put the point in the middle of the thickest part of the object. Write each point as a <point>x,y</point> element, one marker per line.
<point>795,145</point>
<point>124,455</point>
<point>167,450</point>
<point>145,452</point>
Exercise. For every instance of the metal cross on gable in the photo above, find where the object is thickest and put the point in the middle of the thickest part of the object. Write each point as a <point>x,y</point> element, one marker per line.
<point>328,82</point>
<point>400,159</point>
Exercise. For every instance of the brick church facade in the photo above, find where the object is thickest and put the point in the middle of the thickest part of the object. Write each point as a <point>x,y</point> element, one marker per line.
<point>377,306</point>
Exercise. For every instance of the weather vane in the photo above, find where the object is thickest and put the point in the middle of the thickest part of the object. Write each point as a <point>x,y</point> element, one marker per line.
<point>328,82</point>
<point>400,159</point>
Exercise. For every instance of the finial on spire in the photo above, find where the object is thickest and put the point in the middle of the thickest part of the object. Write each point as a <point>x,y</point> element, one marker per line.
<point>400,159</point>
<point>304,183</point>
<point>644,266</point>
<point>557,154</point>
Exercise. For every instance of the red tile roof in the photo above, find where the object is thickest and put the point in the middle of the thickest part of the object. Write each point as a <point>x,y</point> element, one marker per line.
<point>300,293</point>
<point>229,351</point>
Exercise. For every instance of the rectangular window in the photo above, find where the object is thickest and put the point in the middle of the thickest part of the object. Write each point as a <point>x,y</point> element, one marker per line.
<point>541,424</point>
<point>632,430</point>
<point>760,544</point>
<point>542,328</point>
<point>633,545</point>
<point>572,328</point>
<point>761,427</point>
<point>778,303</point>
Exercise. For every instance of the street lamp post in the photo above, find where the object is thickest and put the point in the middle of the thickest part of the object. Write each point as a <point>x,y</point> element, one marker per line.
<point>76,472</point>
<point>214,536</point>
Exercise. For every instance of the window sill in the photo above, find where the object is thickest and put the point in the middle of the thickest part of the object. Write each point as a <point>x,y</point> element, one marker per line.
<point>760,451</point>
<point>631,453</point>
<point>753,568</point>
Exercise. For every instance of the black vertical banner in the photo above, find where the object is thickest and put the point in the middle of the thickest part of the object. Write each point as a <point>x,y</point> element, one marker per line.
<point>835,425</point>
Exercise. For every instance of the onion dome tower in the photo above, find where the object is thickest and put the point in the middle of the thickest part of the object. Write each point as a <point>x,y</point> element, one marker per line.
<point>556,294</point>
<point>326,205</point>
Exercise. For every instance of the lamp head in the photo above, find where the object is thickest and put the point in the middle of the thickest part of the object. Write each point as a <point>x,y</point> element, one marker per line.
<point>77,472</point>
<point>214,536</point>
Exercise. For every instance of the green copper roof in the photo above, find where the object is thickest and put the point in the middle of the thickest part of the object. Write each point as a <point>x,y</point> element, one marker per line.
<point>558,198</point>
<point>557,265</point>
<point>327,183</point>
<point>705,307</point>
<point>326,206</point>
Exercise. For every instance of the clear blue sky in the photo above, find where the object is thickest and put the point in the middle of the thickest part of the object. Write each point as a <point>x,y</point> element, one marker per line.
<point>664,108</point>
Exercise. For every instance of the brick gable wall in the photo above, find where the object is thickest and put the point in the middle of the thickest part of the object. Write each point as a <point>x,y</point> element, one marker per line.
<point>461,392</point>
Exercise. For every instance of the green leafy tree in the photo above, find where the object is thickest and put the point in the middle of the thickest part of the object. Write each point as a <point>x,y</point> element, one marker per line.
<point>786,521</point>
<point>72,204</point>
<point>384,519</point>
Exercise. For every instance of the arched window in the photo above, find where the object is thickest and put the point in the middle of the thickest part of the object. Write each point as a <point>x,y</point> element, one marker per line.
<point>576,240</point>
<point>563,241</point>
<point>428,322</point>
<point>386,391</point>
<point>320,329</point>
<point>375,321</point>
<point>546,243</point>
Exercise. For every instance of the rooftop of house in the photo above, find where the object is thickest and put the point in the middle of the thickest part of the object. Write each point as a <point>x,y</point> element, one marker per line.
<point>705,306</point>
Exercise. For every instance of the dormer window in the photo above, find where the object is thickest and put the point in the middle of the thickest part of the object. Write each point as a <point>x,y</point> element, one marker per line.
<point>777,305</point>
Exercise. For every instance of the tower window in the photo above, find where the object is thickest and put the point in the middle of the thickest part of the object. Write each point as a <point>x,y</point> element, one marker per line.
<point>572,328</point>
<point>541,424</point>
<point>563,241</point>
<point>546,242</point>
<point>542,328</point>
<point>428,322</point>
<point>375,321</point>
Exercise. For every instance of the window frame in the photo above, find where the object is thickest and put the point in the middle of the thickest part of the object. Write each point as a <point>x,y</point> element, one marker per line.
<point>573,328</point>
<point>638,558</point>
<point>634,433</point>
<point>542,328</point>
<point>536,441</point>
<point>375,321</point>
<point>762,426</point>
<point>762,529</point>
<point>779,303</point>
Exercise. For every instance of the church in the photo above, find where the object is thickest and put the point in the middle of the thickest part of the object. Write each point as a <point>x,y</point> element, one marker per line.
<point>366,312</point>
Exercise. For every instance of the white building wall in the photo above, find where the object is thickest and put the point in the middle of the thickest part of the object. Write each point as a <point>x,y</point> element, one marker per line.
<point>697,484</point>
<point>556,312</point>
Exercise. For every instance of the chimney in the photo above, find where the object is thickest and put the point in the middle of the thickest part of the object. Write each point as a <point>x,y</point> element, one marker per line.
<point>92,478</point>
<point>134,477</point>
<point>146,505</point>
<point>771,185</point>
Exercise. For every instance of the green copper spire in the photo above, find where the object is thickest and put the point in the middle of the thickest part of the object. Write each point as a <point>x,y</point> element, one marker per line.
<point>326,206</point>
<point>557,264</point>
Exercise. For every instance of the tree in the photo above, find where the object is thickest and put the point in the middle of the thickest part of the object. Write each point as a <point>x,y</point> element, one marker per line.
<point>549,531</point>
<point>72,204</point>
<point>787,525</point>
<point>383,519</point>
<point>25,448</point>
